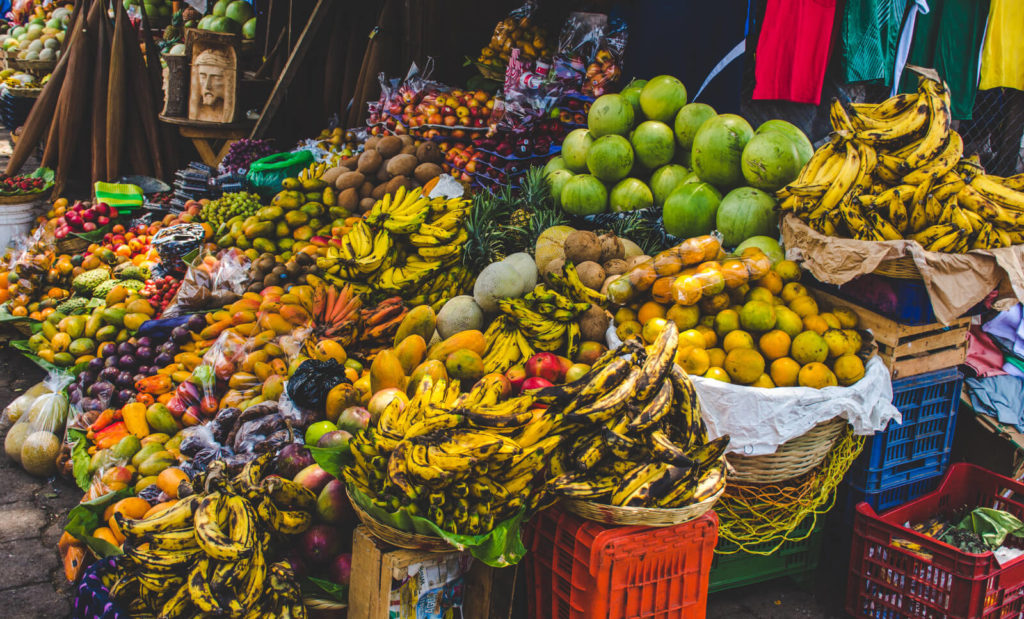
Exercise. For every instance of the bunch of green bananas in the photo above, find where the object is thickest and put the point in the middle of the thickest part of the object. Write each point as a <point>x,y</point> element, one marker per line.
<point>465,462</point>
<point>437,290</point>
<point>207,555</point>
<point>895,170</point>
<point>638,436</point>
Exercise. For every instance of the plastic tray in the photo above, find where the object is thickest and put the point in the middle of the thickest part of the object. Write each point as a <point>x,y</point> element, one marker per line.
<point>849,497</point>
<point>934,579</point>
<point>582,569</point>
<point>919,447</point>
<point>794,559</point>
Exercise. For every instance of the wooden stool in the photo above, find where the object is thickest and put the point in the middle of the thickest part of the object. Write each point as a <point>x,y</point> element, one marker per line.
<point>205,135</point>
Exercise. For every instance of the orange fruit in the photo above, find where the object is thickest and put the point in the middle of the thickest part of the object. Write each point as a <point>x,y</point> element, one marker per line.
<point>759,294</point>
<point>815,323</point>
<point>697,361</point>
<point>793,290</point>
<point>650,310</point>
<point>772,281</point>
<point>817,376</point>
<point>788,321</point>
<point>744,365</point>
<point>687,290</point>
<point>716,356</point>
<point>726,321</point>
<point>105,534</point>
<point>737,339</point>
<point>624,314</point>
<point>132,507</point>
<point>757,316</point>
<point>774,344</point>
<point>809,347</point>
<point>717,373</point>
<point>653,328</point>
<point>628,329</point>
<point>831,320</point>
<point>714,304</point>
<point>856,341</point>
<point>847,319</point>
<point>763,381</point>
<point>685,316</point>
<point>159,507</point>
<point>804,306</point>
<point>837,342</point>
<point>784,372</point>
<point>735,273</point>
<point>710,337</point>
<point>849,369</point>
<point>788,270</point>
<point>169,479</point>
<point>712,280</point>
<point>693,337</point>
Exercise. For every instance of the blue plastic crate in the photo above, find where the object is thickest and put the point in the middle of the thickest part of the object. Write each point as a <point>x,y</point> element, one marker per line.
<point>849,496</point>
<point>919,447</point>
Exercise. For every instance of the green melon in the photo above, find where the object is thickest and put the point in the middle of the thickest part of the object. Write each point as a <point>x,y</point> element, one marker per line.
<point>769,245</point>
<point>688,121</point>
<point>610,114</point>
<point>574,150</point>
<point>718,149</point>
<point>662,97</point>
<point>632,94</point>
<point>556,182</point>
<point>653,144</point>
<point>556,163</point>
<point>630,194</point>
<point>584,194</point>
<point>804,148</point>
<point>665,179</point>
<point>770,161</point>
<point>746,212</point>
<point>690,210</point>
<point>610,158</point>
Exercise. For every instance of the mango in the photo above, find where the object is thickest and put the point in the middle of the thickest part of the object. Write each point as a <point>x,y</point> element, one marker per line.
<point>189,359</point>
<point>464,365</point>
<point>294,314</point>
<point>82,346</point>
<point>156,463</point>
<point>470,340</point>
<point>242,381</point>
<point>116,295</point>
<point>133,321</point>
<point>294,219</point>
<point>269,213</point>
<point>260,229</point>
<point>60,342</point>
<point>93,324</point>
<point>386,371</point>
<point>211,332</point>
<point>37,342</point>
<point>421,320</point>
<point>127,447</point>
<point>107,333</point>
<point>48,329</point>
<point>342,396</point>
<point>263,245</point>
<point>410,352</point>
<point>248,330</point>
<point>174,443</point>
<point>140,306</point>
<point>288,199</point>
<point>282,229</point>
<point>273,387</point>
<point>101,459</point>
<point>113,316</point>
<point>313,209</point>
<point>144,482</point>
<point>275,323</point>
<point>63,359</point>
<point>160,419</point>
<point>156,437</point>
<point>433,369</point>
<point>145,452</point>
<point>73,326</point>
<point>220,314</point>
<point>262,370</point>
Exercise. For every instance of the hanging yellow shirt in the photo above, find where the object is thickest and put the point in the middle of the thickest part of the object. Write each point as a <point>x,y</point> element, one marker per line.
<point>1002,56</point>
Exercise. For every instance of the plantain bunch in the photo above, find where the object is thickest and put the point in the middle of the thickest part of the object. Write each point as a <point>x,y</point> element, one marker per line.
<point>896,170</point>
<point>638,439</point>
<point>208,554</point>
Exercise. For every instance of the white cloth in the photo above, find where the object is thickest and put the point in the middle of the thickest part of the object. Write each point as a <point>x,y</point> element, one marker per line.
<point>906,38</point>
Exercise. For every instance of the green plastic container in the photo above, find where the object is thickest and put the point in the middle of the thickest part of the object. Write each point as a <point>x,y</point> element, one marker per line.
<point>265,175</point>
<point>793,559</point>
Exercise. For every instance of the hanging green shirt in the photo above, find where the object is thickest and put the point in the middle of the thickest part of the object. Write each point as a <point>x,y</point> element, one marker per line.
<point>948,39</point>
<point>870,32</point>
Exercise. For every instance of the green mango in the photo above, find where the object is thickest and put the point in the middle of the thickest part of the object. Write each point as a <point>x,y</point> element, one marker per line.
<point>127,447</point>
<point>269,213</point>
<point>38,341</point>
<point>75,326</point>
<point>263,245</point>
<point>313,196</point>
<point>48,329</point>
<point>146,452</point>
<point>174,443</point>
<point>101,459</point>
<point>82,346</point>
<point>64,359</point>
<point>107,333</point>
<point>294,219</point>
<point>313,209</point>
<point>156,463</point>
<point>144,482</point>
<point>113,316</point>
<point>225,241</point>
<point>160,419</point>
<point>282,229</point>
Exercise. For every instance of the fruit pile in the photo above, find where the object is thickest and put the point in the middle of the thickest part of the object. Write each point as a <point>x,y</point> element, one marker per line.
<point>896,170</point>
<point>18,185</point>
<point>742,319</point>
<point>110,380</point>
<point>433,113</point>
<point>236,16</point>
<point>228,206</point>
<point>513,32</point>
<point>38,281</point>
<point>338,141</point>
<point>211,552</point>
<point>40,35</point>
<point>637,436</point>
<point>385,164</point>
<point>160,292</point>
<point>85,217</point>
<point>296,214</point>
<point>242,153</point>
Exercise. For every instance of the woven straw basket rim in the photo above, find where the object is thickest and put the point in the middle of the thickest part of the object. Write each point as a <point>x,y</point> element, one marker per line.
<point>641,516</point>
<point>792,459</point>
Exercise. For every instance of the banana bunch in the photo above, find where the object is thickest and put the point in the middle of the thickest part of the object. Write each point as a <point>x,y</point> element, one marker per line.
<point>207,555</point>
<point>445,284</point>
<point>313,171</point>
<point>464,461</point>
<point>895,171</point>
<point>638,439</point>
<point>543,320</point>
<point>443,237</point>
<point>359,256</point>
<point>401,213</point>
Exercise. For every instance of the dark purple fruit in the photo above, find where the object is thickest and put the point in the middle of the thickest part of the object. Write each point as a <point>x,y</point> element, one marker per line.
<point>144,353</point>
<point>125,348</point>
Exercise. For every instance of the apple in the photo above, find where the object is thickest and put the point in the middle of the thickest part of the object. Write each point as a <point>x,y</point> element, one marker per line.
<point>576,372</point>
<point>545,365</point>
<point>516,375</point>
<point>536,382</point>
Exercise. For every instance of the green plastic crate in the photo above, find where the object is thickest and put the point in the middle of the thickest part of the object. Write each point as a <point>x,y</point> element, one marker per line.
<point>796,560</point>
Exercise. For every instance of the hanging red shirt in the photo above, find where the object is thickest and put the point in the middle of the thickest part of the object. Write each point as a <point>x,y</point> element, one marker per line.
<point>792,50</point>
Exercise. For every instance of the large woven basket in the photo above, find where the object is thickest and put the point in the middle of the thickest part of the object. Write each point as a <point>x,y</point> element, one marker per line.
<point>900,268</point>
<point>395,537</point>
<point>792,459</point>
<point>641,516</point>
<point>23,198</point>
<point>319,607</point>
<point>72,245</point>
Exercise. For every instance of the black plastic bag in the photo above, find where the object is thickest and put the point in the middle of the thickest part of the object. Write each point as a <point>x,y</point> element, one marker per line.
<point>311,383</point>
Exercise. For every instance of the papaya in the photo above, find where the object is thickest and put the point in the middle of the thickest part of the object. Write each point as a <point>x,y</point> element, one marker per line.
<point>269,213</point>
<point>160,419</point>
<point>464,365</point>
<point>294,314</point>
<point>421,320</point>
<point>133,321</point>
<point>470,340</point>
<point>410,352</point>
<point>275,323</point>
<point>107,333</point>
<point>329,349</point>
<point>342,396</point>
<point>433,369</point>
<point>147,450</point>
<point>213,331</point>
<point>140,306</point>
<point>386,371</point>
<point>156,463</point>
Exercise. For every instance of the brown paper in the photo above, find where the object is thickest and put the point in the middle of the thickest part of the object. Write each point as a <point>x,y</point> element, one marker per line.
<point>955,282</point>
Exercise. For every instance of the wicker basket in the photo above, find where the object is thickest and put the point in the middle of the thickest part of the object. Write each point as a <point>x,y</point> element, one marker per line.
<point>395,537</point>
<point>72,245</point>
<point>24,93</point>
<point>641,516</point>
<point>792,459</point>
<point>900,268</point>
<point>22,198</point>
<point>38,66</point>
<point>319,607</point>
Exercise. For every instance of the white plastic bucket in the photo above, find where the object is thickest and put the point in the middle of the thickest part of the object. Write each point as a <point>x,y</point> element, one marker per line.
<point>16,220</point>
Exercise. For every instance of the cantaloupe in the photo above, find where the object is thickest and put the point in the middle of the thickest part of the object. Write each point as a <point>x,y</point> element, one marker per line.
<point>459,314</point>
<point>550,245</point>
<point>496,281</point>
<point>524,264</point>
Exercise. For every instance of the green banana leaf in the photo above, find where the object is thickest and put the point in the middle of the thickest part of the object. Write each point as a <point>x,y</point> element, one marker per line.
<point>80,458</point>
<point>331,459</point>
<point>318,587</point>
<point>96,235</point>
<point>85,517</point>
<point>992,525</point>
<point>500,547</point>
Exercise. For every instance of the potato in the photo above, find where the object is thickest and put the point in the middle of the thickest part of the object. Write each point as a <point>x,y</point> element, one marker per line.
<point>369,162</point>
<point>366,204</point>
<point>402,165</point>
<point>389,146</point>
<point>365,189</point>
<point>426,171</point>
<point>349,180</point>
<point>371,142</point>
<point>349,199</point>
<point>428,152</point>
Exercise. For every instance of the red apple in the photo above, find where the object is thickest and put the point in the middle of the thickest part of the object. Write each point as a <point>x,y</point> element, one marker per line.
<point>536,382</point>
<point>102,220</point>
<point>565,363</point>
<point>545,365</point>
<point>88,226</point>
<point>516,375</point>
<point>590,352</point>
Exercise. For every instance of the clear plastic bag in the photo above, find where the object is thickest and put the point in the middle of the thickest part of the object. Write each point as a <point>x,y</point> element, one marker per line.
<point>606,67</point>
<point>20,405</point>
<point>578,43</point>
<point>34,441</point>
<point>211,282</point>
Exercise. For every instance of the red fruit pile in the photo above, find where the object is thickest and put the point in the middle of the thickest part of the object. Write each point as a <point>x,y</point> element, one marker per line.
<point>85,217</point>
<point>14,185</point>
<point>160,291</point>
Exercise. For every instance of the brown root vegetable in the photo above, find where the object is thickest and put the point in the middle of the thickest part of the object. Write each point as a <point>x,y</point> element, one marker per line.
<point>428,152</point>
<point>369,162</point>
<point>611,248</point>
<point>615,267</point>
<point>371,142</point>
<point>332,174</point>
<point>366,204</point>
<point>591,274</point>
<point>427,171</point>
<point>402,165</point>
<point>593,324</point>
<point>582,246</point>
<point>349,180</point>
<point>349,199</point>
<point>365,189</point>
<point>389,146</point>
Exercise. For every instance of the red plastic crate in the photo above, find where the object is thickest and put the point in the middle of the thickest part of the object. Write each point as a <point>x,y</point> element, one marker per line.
<point>938,580</point>
<point>578,569</point>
